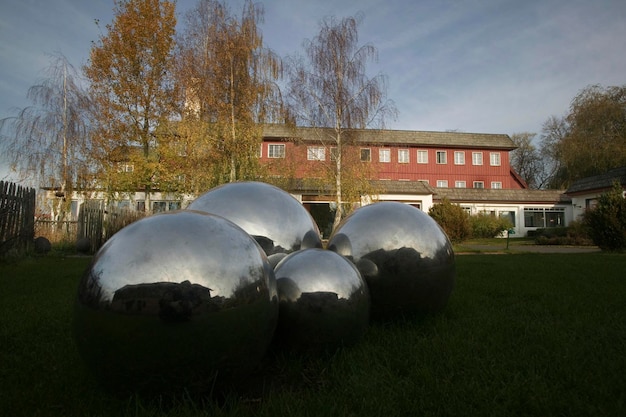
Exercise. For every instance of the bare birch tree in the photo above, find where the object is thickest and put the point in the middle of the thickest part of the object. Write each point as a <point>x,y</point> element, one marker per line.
<point>329,89</point>
<point>47,143</point>
<point>553,130</point>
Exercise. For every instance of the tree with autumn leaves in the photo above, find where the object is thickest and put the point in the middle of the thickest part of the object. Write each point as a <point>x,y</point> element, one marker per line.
<point>133,91</point>
<point>229,82</point>
<point>180,113</point>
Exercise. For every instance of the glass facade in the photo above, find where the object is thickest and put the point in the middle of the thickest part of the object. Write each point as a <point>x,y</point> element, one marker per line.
<point>544,217</point>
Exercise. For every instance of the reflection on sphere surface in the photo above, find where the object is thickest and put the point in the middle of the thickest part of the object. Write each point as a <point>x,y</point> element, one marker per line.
<point>403,254</point>
<point>174,299</point>
<point>324,302</point>
<point>279,222</point>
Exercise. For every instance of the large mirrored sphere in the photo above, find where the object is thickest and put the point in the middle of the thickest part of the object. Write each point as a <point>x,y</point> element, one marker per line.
<point>279,222</point>
<point>323,302</point>
<point>402,253</point>
<point>174,299</point>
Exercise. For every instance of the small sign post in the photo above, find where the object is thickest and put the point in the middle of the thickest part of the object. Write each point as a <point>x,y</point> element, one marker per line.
<point>508,234</point>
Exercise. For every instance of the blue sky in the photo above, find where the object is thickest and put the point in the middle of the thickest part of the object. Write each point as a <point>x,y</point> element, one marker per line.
<point>474,66</point>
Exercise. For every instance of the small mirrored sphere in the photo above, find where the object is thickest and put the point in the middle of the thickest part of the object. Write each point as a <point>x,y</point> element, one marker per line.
<point>402,253</point>
<point>279,222</point>
<point>323,302</point>
<point>173,300</point>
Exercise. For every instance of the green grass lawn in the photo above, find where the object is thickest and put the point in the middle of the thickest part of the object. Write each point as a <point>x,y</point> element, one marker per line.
<point>527,334</point>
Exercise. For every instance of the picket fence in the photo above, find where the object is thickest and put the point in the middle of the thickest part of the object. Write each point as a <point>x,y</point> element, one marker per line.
<point>17,216</point>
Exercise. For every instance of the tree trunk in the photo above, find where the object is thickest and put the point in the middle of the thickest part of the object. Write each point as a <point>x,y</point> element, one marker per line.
<point>338,199</point>
<point>233,171</point>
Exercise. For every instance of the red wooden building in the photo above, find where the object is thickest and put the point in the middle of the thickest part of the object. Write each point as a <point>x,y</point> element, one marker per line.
<point>439,159</point>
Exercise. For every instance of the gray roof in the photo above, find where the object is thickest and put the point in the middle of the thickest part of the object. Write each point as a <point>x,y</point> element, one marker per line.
<point>381,186</point>
<point>458,195</point>
<point>397,137</point>
<point>477,195</point>
<point>404,187</point>
<point>599,182</point>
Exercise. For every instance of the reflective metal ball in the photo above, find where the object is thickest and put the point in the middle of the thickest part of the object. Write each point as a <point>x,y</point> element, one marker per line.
<point>323,302</point>
<point>278,221</point>
<point>402,253</point>
<point>173,300</point>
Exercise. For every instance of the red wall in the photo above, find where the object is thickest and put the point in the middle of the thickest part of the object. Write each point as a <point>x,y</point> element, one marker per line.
<point>296,163</point>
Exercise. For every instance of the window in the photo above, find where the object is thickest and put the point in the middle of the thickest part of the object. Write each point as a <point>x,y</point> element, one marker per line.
<point>366,155</point>
<point>544,217</point>
<point>384,155</point>
<point>260,151</point>
<point>333,153</point>
<point>125,167</point>
<point>459,158</point>
<point>442,183</point>
<point>496,185</point>
<point>158,206</point>
<point>316,153</point>
<point>173,205</point>
<point>477,158</point>
<point>591,203</point>
<point>275,151</point>
<point>494,159</point>
<point>122,205</point>
<point>460,184</point>
<point>441,157</point>
<point>479,184</point>
<point>422,157</point>
<point>403,156</point>
<point>508,215</point>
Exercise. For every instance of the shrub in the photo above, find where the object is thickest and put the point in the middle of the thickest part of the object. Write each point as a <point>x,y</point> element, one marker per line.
<point>607,221</point>
<point>575,234</point>
<point>118,219</point>
<point>484,225</point>
<point>452,218</point>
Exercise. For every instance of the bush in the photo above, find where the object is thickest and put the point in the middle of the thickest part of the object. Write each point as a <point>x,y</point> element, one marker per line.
<point>485,225</point>
<point>576,234</point>
<point>452,218</point>
<point>607,221</point>
<point>118,219</point>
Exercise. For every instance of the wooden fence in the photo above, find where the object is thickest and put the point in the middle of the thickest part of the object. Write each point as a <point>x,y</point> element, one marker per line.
<point>17,216</point>
<point>91,222</point>
<point>57,231</point>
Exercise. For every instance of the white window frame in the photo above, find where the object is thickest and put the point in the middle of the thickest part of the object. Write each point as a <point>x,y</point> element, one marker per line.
<point>422,156</point>
<point>459,158</point>
<point>276,150</point>
<point>496,185</point>
<point>333,153</point>
<point>403,156</point>
<point>442,157</point>
<point>125,167</point>
<point>460,184</point>
<point>477,158</point>
<point>442,183</point>
<point>494,159</point>
<point>478,184</point>
<point>384,155</point>
<point>316,153</point>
